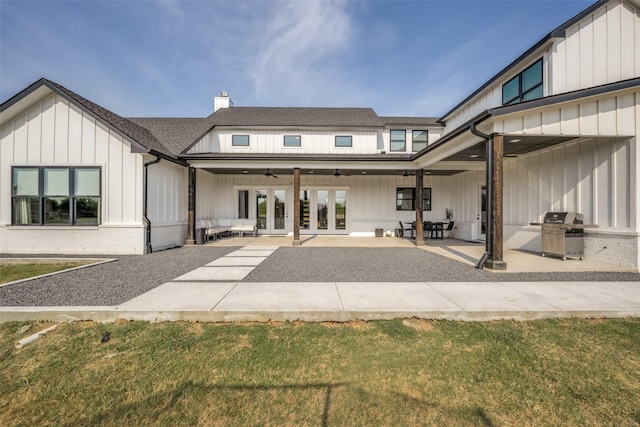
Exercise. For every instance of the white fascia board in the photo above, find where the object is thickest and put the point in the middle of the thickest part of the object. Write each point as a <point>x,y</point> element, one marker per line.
<point>302,164</point>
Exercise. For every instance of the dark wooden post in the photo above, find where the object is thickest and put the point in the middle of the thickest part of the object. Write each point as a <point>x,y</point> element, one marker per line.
<point>296,207</point>
<point>419,207</point>
<point>191,220</point>
<point>495,260</point>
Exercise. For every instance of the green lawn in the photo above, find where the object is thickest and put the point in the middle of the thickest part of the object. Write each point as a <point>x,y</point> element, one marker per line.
<point>385,373</point>
<point>12,272</point>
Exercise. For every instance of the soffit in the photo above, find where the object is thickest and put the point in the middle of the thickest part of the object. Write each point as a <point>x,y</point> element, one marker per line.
<point>514,146</point>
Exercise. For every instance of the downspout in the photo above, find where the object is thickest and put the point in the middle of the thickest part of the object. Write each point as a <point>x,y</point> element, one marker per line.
<point>145,218</point>
<point>489,180</point>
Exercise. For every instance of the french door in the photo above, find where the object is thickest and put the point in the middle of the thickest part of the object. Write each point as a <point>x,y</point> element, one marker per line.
<point>271,211</point>
<point>323,211</point>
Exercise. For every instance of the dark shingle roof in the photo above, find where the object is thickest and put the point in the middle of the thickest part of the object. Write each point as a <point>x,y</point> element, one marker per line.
<point>177,134</point>
<point>410,121</point>
<point>297,116</point>
<point>133,131</point>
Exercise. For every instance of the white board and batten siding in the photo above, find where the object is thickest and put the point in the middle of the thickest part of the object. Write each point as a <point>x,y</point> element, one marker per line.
<point>167,203</point>
<point>602,48</point>
<point>371,200</point>
<point>54,132</point>
<point>272,141</point>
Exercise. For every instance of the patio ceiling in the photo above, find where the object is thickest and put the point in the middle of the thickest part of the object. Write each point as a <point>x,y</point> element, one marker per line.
<point>514,145</point>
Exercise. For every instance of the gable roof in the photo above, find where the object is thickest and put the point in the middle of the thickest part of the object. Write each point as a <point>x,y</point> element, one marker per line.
<point>297,116</point>
<point>177,134</point>
<point>143,141</point>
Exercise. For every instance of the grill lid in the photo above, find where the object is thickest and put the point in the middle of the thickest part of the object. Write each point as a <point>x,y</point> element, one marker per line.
<point>567,218</point>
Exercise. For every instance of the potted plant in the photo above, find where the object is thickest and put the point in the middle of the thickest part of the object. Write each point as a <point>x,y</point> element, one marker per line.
<point>449,213</point>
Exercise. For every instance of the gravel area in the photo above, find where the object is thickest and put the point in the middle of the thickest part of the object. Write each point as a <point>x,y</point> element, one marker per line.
<point>289,264</point>
<point>111,283</point>
<point>115,282</point>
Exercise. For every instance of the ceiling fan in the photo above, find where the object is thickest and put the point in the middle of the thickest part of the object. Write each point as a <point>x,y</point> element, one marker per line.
<point>406,173</point>
<point>268,173</point>
<point>338,174</point>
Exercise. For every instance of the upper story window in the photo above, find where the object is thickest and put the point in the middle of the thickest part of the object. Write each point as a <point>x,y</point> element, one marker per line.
<point>344,141</point>
<point>419,140</point>
<point>240,140</point>
<point>292,140</point>
<point>525,86</point>
<point>398,140</point>
<point>55,196</point>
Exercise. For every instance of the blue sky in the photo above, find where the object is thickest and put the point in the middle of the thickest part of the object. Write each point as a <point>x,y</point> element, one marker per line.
<point>170,58</point>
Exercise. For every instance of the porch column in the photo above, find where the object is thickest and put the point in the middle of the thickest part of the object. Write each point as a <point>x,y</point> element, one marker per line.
<point>296,207</point>
<point>495,163</point>
<point>419,207</point>
<point>191,220</point>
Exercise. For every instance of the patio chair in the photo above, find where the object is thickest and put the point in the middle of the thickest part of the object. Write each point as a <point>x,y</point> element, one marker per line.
<point>449,229</point>
<point>404,228</point>
<point>427,227</point>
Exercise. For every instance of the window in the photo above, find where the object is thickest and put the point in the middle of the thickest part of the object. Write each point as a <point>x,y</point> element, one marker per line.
<point>398,140</point>
<point>343,140</point>
<point>292,141</point>
<point>525,86</point>
<point>56,195</point>
<point>240,140</point>
<point>406,199</point>
<point>243,204</point>
<point>419,140</point>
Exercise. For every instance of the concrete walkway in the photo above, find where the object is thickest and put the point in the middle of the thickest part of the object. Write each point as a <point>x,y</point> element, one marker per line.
<point>216,292</point>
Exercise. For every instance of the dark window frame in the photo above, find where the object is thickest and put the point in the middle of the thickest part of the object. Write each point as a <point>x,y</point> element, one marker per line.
<point>236,143</point>
<point>522,92</point>
<point>426,193</point>
<point>42,196</point>
<point>413,139</point>
<point>296,145</point>
<point>403,140</point>
<point>350,137</point>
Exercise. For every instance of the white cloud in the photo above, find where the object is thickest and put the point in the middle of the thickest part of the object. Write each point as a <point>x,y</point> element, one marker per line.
<point>301,48</point>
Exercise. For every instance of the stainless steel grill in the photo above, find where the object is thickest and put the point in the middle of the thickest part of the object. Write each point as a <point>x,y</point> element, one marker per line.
<point>563,234</point>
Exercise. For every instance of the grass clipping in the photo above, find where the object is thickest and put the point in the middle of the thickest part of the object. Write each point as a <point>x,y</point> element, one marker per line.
<point>411,372</point>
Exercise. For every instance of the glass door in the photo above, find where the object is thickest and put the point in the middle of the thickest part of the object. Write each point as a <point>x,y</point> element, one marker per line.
<point>279,212</point>
<point>261,209</point>
<point>271,211</point>
<point>482,218</point>
<point>322,211</point>
<point>305,210</point>
<point>340,211</point>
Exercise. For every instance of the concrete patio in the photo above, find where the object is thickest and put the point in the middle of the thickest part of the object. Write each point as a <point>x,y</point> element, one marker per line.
<point>459,250</point>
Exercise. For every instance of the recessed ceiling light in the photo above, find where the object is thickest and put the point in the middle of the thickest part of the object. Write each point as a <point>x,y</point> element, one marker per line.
<point>245,171</point>
<point>428,173</point>
<point>311,172</point>
<point>473,156</point>
<point>363,172</point>
<point>515,140</point>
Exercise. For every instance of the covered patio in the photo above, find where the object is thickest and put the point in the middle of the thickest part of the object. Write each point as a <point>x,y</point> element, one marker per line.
<point>465,252</point>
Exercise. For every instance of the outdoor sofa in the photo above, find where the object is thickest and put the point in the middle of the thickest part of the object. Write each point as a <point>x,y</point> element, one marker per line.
<point>216,228</point>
